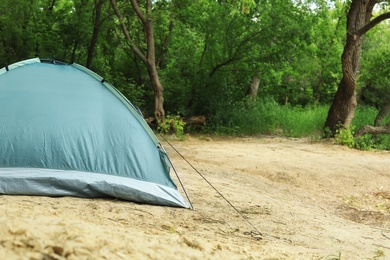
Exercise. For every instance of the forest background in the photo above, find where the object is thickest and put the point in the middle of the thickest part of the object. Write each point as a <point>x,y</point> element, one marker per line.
<point>250,67</point>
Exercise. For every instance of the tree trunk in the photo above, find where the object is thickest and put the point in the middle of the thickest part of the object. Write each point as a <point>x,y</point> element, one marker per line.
<point>164,46</point>
<point>159,112</point>
<point>51,6</point>
<point>149,59</point>
<point>382,114</point>
<point>342,110</point>
<point>254,87</point>
<point>96,27</point>
<point>74,49</point>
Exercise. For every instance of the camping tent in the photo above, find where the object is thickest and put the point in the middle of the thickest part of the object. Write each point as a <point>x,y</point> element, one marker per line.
<point>65,131</point>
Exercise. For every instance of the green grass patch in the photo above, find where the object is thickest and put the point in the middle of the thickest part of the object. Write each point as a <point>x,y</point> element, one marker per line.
<point>268,117</point>
<point>265,116</point>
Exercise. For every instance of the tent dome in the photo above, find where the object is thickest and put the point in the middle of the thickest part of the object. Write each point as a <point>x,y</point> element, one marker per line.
<point>65,131</point>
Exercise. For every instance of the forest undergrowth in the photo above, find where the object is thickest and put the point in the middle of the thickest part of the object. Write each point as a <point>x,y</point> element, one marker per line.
<point>270,118</point>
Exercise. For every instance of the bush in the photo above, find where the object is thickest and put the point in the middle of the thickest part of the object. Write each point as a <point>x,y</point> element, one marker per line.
<point>172,124</point>
<point>345,137</point>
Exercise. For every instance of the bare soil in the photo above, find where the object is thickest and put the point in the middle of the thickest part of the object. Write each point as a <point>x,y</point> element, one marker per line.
<point>308,200</point>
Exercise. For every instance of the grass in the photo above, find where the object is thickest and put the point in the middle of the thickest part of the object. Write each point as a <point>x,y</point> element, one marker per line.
<point>266,116</point>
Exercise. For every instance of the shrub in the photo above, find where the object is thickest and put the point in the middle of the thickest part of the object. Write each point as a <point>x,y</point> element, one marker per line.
<point>345,137</point>
<point>172,124</point>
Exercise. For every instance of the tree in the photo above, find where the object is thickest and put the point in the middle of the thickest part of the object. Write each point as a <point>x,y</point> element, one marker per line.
<point>148,58</point>
<point>374,82</point>
<point>96,28</point>
<point>15,30</point>
<point>322,74</point>
<point>341,112</point>
<point>221,48</point>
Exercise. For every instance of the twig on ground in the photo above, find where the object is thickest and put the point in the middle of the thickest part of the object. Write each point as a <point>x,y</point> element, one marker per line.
<point>383,234</point>
<point>378,245</point>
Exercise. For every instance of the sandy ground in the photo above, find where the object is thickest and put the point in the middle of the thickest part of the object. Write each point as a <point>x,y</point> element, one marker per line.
<point>309,201</point>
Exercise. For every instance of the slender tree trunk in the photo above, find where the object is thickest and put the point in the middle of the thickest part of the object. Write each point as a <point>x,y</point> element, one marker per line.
<point>159,112</point>
<point>205,48</point>
<point>254,87</point>
<point>96,27</point>
<point>382,114</point>
<point>165,44</point>
<point>74,49</point>
<point>149,59</point>
<point>51,6</point>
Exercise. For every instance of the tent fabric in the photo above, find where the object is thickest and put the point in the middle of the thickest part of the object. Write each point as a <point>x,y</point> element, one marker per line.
<point>65,131</point>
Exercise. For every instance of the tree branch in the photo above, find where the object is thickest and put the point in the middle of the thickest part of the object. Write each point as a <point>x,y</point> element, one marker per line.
<point>233,57</point>
<point>367,129</point>
<point>205,47</point>
<point>368,26</point>
<point>138,11</point>
<point>164,46</point>
<point>148,8</point>
<point>229,61</point>
<point>130,41</point>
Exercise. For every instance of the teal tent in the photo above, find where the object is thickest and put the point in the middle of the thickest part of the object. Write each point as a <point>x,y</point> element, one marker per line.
<point>65,131</point>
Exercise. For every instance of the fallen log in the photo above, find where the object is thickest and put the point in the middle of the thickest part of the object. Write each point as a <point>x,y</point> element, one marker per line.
<point>189,121</point>
<point>195,120</point>
<point>377,128</point>
<point>152,122</point>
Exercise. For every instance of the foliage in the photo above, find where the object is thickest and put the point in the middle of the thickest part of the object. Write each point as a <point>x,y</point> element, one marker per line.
<point>215,50</point>
<point>363,116</point>
<point>208,52</point>
<point>365,142</point>
<point>172,124</point>
<point>206,61</point>
<point>344,136</point>
<point>374,82</point>
<point>265,116</point>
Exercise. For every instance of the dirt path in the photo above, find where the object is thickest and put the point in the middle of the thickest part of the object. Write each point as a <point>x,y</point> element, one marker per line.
<point>309,201</point>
